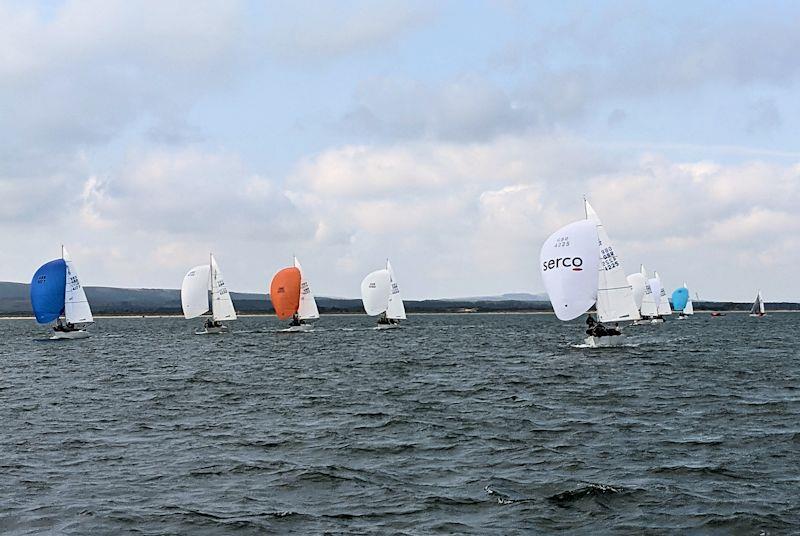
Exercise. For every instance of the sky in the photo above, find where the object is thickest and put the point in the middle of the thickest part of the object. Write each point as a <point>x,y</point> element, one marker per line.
<point>450,136</point>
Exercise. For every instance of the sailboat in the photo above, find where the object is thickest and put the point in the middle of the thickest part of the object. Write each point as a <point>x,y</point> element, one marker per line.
<point>662,302</point>
<point>197,284</point>
<point>291,297</point>
<point>682,302</point>
<point>55,291</point>
<point>615,297</point>
<point>380,294</point>
<point>579,267</point>
<point>758,306</point>
<point>640,288</point>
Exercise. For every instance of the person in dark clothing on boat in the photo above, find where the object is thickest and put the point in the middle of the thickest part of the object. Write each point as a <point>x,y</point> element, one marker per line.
<point>615,330</point>
<point>59,326</point>
<point>296,321</point>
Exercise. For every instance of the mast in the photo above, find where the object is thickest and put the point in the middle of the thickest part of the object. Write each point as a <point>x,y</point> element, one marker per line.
<point>211,280</point>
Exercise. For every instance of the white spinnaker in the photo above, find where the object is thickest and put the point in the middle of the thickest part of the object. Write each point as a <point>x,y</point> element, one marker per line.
<point>664,308</point>
<point>308,305</point>
<point>221,303</point>
<point>689,308</point>
<point>614,295</point>
<point>568,263</point>
<point>76,306</point>
<point>637,283</point>
<point>375,290</point>
<point>396,310</point>
<point>194,291</point>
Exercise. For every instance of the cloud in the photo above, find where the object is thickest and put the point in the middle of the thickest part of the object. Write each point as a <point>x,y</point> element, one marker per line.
<point>482,210</point>
<point>313,31</point>
<point>465,109</point>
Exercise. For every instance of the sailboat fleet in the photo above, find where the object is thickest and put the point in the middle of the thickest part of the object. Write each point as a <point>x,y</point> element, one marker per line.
<point>579,265</point>
<point>569,260</point>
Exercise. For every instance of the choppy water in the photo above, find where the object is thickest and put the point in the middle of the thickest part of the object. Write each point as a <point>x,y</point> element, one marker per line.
<point>463,424</point>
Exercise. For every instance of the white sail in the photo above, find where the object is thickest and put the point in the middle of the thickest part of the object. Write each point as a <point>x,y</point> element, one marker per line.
<point>194,291</point>
<point>375,289</point>
<point>649,304</point>
<point>308,305</point>
<point>395,310</point>
<point>76,306</point>
<point>568,263</point>
<point>758,305</point>
<point>664,308</point>
<point>614,294</point>
<point>221,303</point>
<point>638,284</point>
<point>688,308</point>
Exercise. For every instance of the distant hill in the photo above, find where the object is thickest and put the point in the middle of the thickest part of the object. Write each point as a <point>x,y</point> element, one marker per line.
<point>14,300</point>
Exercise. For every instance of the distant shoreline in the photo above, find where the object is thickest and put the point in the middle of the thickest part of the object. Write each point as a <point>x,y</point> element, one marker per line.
<point>427,313</point>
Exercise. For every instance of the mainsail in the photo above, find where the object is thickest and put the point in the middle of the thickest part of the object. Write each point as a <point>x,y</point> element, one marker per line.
<point>689,308</point>
<point>76,306</point>
<point>649,307</point>
<point>663,302</point>
<point>638,284</point>
<point>221,303</point>
<point>395,309</point>
<point>308,305</point>
<point>615,299</point>
<point>569,263</point>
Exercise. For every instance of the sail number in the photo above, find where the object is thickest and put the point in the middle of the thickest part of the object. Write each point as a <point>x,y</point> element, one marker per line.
<point>562,242</point>
<point>608,259</point>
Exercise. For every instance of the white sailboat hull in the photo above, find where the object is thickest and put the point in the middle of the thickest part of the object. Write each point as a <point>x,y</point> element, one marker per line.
<point>212,330</point>
<point>757,315</point>
<point>387,326</point>
<point>604,342</point>
<point>69,335</point>
<point>657,321</point>
<point>298,329</point>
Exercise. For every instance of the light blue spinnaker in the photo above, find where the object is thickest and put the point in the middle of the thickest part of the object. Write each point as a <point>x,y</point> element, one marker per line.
<point>679,298</point>
<point>47,291</point>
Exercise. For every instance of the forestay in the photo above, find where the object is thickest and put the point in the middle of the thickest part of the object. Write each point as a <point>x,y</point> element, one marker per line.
<point>568,263</point>
<point>221,303</point>
<point>308,305</point>
<point>375,289</point>
<point>615,300</point>
<point>395,310</point>
<point>194,291</point>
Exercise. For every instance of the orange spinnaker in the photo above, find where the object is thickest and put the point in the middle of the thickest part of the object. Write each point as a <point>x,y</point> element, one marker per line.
<point>284,291</point>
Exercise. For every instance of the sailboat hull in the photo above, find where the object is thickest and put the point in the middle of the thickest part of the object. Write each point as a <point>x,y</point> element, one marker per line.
<point>604,342</point>
<point>387,326</point>
<point>212,330</point>
<point>69,335</point>
<point>298,329</point>
<point>756,315</point>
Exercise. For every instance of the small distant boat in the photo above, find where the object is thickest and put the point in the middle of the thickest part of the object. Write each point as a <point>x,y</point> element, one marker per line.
<point>381,297</point>
<point>55,291</point>
<point>682,302</point>
<point>717,314</point>
<point>758,306</point>
<point>197,284</point>
<point>291,297</point>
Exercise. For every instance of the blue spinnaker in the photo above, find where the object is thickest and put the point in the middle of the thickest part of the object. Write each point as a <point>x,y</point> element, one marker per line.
<point>47,291</point>
<point>679,298</point>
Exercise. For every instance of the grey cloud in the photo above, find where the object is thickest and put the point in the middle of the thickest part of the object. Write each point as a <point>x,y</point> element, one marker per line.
<point>466,109</point>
